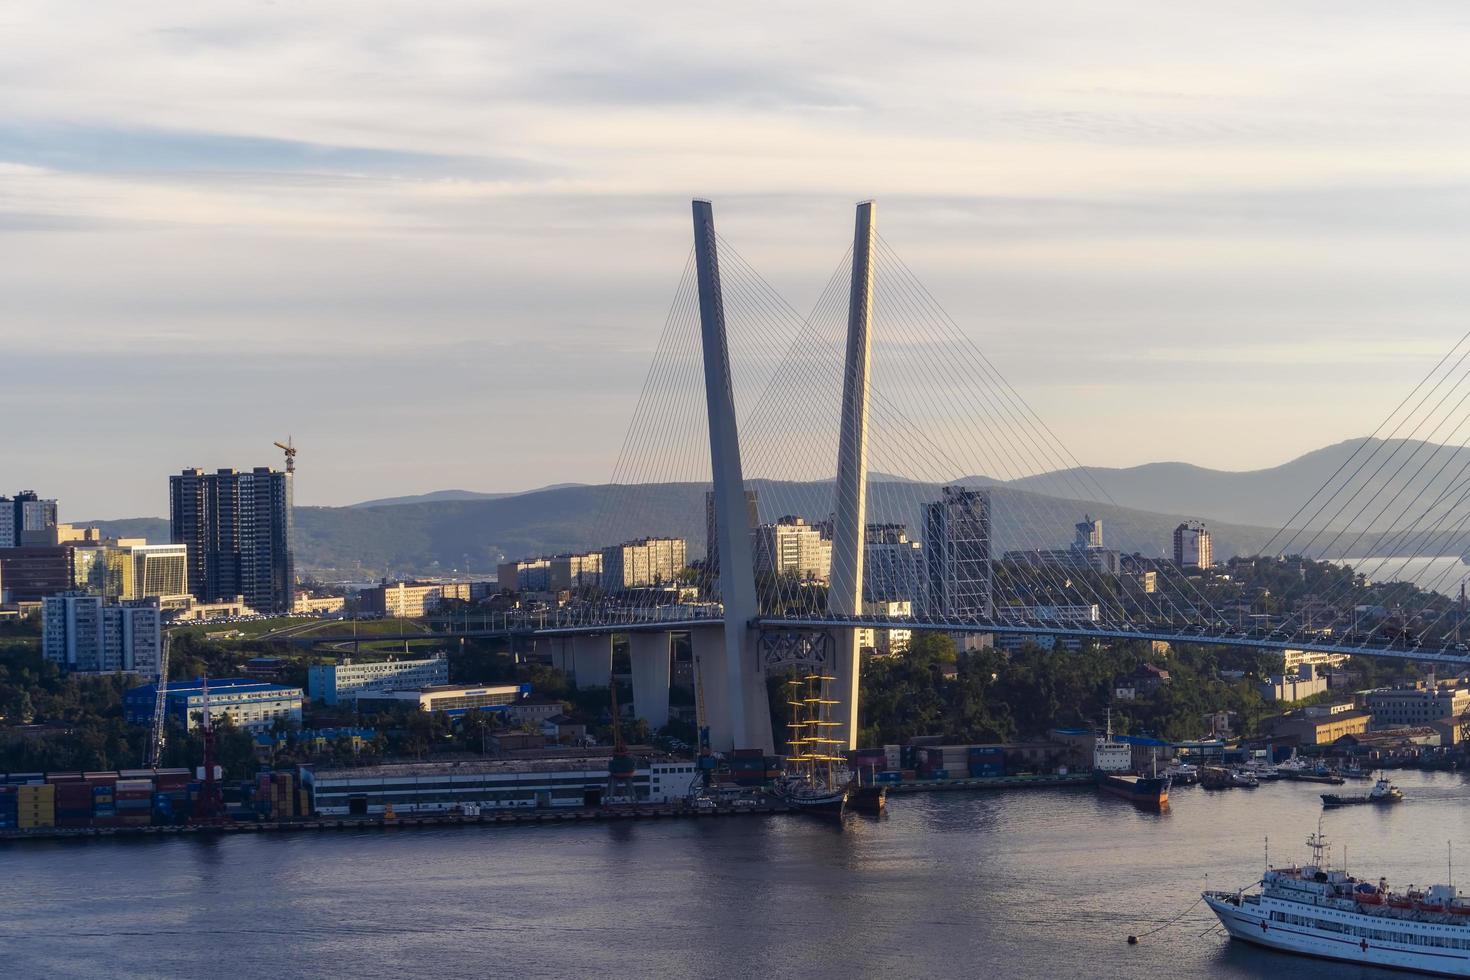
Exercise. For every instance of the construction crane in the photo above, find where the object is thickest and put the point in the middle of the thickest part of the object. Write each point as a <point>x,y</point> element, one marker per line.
<point>160,707</point>
<point>210,807</point>
<point>290,450</point>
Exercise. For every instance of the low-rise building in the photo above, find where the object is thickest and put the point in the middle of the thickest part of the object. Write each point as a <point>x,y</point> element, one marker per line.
<point>249,704</point>
<point>347,681</point>
<point>1418,704</point>
<point>1293,659</point>
<point>1304,684</point>
<point>410,600</point>
<point>194,611</point>
<point>317,605</point>
<point>564,729</point>
<point>533,710</point>
<point>452,699</point>
<point>1321,724</point>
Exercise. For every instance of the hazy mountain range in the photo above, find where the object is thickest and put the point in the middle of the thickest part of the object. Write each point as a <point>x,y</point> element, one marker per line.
<point>1139,507</point>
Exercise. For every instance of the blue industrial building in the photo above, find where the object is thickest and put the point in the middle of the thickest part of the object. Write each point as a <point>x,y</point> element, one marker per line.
<point>250,704</point>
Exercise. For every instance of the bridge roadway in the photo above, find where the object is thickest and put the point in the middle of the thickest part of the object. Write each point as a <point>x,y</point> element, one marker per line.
<point>548,626</point>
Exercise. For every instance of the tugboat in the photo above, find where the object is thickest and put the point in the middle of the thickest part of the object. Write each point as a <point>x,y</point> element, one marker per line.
<point>816,779</point>
<point>1382,792</point>
<point>1317,911</point>
<point>1112,764</point>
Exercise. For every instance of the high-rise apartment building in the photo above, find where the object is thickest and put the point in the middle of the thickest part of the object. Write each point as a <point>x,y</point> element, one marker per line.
<point>238,528</point>
<point>957,540</point>
<point>893,566</point>
<point>526,575</point>
<point>576,571</point>
<point>1089,534</point>
<point>1192,547</point>
<point>647,561</point>
<point>84,633</point>
<point>26,511</point>
<point>792,548</point>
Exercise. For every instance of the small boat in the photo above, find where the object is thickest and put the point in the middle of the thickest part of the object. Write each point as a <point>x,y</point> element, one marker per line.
<point>1318,775</point>
<point>1244,779</point>
<point>1182,774</point>
<point>1382,792</point>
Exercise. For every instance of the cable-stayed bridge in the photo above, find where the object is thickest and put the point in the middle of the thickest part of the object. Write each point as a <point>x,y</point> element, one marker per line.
<point>883,440</point>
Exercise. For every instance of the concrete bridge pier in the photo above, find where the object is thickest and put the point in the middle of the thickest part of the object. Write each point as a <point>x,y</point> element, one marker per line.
<point>711,692</point>
<point>560,648</point>
<point>592,659</point>
<point>651,656</point>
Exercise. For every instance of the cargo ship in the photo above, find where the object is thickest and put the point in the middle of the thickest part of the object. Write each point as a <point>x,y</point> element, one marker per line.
<point>1317,911</point>
<point>1112,767</point>
<point>1382,792</point>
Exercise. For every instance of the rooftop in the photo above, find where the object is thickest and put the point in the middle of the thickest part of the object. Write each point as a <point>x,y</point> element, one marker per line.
<point>219,685</point>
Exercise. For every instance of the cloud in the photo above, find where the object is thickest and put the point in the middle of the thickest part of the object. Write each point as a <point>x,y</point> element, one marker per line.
<point>462,223</point>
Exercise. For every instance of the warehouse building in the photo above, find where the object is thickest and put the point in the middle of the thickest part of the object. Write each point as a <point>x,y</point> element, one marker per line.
<point>452,699</point>
<point>437,787</point>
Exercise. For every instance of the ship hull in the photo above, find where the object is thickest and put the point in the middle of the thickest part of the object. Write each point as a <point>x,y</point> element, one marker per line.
<point>1145,791</point>
<point>1249,924</point>
<point>868,799</point>
<point>829,805</point>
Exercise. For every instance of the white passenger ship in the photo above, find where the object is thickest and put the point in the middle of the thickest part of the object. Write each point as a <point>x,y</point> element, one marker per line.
<point>1316,911</point>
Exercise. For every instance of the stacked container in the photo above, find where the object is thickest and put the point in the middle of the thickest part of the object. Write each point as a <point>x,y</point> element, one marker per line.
<point>170,796</point>
<point>929,762</point>
<point>986,761</point>
<point>104,798</point>
<point>747,767</point>
<point>134,802</point>
<point>9,807</point>
<point>35,806</point>
<point>73,799</point>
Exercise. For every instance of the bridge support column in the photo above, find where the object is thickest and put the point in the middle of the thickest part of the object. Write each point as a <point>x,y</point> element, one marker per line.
<point>849,516</point>
<point>560,648</point>
<point>592,661</point>
<point>744,713</point>
<point>711,687</point>
<point>650,655</point>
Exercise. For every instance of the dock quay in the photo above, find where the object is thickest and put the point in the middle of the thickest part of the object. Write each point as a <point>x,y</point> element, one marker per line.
<point>1050,780</point>
<point>508,818</point>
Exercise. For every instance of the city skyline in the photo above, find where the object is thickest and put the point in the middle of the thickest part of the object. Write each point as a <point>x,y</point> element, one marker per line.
<point>424,230</point>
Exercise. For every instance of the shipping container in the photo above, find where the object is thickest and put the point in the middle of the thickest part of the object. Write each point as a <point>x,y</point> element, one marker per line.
<point>888,777</point>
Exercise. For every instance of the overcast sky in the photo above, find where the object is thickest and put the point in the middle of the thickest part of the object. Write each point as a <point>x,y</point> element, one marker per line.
<point>436,241</point>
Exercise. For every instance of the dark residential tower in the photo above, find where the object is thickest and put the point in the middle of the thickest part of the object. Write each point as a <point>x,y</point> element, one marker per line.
<point>239,531</point>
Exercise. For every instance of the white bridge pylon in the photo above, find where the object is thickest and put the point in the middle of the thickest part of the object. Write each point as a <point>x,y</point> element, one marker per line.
<point>728,660</point>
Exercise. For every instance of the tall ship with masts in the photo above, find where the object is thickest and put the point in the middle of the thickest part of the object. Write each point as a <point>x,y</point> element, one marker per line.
<point>816,778</point>
<point>1316,910</point>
